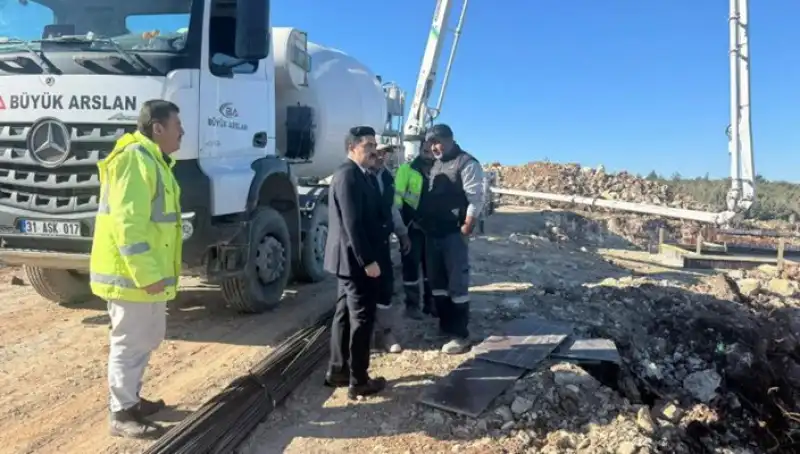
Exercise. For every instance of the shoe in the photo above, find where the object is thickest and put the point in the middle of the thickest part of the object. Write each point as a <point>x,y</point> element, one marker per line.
<point>131,423</point>
<point>371,387</point>
<point>391,344</point>
<point>456,346</point>
<point>150,407</point>
<point>414,313</point>
<point>337,380</point>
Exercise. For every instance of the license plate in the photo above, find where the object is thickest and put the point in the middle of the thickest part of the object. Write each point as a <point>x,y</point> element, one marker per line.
<point>50,228</point>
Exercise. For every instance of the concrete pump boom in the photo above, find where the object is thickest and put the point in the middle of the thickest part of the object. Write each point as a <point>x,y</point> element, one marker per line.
<point>421,114</point>
<point>740,196</point>
<point>740,146</point>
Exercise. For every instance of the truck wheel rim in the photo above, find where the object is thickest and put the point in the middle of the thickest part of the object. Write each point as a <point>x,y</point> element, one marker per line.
<point>270,257</point>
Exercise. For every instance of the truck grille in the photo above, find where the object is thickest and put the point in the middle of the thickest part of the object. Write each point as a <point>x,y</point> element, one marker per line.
<point>72,187</point>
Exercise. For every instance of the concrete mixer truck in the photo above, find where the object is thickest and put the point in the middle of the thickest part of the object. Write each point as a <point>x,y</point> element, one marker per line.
<point>265,114</point>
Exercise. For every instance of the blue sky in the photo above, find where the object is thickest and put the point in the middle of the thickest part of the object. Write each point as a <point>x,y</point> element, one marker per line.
<point>636,85</point>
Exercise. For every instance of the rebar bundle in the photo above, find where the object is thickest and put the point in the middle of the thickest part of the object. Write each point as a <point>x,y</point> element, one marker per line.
<point>223,423</point>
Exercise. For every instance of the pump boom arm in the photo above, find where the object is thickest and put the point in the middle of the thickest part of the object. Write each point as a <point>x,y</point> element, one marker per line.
<point>742,193</point>
<point>420,112</point>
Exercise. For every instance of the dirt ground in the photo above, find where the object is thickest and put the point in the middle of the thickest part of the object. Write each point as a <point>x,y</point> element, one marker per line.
<point>53,362</point>
<point>515,260</point>
<point>529,262</point>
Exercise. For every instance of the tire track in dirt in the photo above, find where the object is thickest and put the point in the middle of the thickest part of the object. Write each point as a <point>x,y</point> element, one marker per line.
<point>54,393</point>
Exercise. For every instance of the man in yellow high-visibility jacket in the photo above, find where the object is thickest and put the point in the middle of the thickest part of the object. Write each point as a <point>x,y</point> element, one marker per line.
<point>136,258</point>
<point>410,183</point>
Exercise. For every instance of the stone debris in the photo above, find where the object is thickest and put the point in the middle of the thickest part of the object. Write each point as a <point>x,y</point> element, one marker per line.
<point>710,362</point>
<point>642,230</point>
<point>574,179</point>
<point>699,373</point>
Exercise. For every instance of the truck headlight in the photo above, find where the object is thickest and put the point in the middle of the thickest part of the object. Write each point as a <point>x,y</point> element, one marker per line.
<point>187,225</point>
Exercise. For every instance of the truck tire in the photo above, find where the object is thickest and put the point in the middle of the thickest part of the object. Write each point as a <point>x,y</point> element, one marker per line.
<point>59,286</point>
<point>268,265</point>
<point>311,266</point>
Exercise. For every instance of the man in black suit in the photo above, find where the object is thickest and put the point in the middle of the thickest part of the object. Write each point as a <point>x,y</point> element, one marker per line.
<point>358,241</point>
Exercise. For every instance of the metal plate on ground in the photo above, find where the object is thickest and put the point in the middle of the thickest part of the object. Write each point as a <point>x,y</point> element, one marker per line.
<point>588,351</point>
<point>471,387</point>
<point>524,343</point>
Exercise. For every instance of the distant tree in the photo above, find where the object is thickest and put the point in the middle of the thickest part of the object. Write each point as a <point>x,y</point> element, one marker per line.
<point>652,176</point>
<point>774,199</point>
<point>676,176</point>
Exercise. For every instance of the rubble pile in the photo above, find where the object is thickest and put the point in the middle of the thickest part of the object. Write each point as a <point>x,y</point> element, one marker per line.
<point>702,372</point>
<point>608,231</point>
<point>572,179</point>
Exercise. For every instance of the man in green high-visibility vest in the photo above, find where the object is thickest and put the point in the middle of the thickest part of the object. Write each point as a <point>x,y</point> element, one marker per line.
<point>410,183</point>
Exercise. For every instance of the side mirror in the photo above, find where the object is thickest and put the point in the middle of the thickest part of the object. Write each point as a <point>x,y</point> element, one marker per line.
<point>252,29</point>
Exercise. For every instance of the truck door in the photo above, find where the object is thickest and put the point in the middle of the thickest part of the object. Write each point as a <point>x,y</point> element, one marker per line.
<point>236,112</point>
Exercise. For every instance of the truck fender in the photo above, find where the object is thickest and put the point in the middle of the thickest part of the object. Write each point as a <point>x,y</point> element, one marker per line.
<point>273,186</point>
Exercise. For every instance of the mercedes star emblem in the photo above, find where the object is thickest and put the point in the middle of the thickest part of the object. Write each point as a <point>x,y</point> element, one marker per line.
<point>48,142</point>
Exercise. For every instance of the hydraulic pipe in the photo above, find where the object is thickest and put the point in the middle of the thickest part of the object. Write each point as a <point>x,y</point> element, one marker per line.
<point>679,213</point>
<point>452,57</point>
<point>735,144</point>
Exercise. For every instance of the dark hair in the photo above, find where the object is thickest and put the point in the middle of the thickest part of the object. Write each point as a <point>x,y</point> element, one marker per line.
<point>439,131</point>
<point>155,111</point>
<point>356,134</point>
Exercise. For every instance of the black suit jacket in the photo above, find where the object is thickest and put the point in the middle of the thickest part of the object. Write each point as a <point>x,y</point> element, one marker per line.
<point>358,229</point>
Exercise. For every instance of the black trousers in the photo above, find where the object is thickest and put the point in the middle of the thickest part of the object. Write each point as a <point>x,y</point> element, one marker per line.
<point>353,323</point>
<point>411,271</point>
<point>386,289</point>
<point>448,271</point>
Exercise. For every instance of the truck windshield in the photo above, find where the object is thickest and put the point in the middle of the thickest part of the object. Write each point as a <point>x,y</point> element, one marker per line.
<point>94,25</point>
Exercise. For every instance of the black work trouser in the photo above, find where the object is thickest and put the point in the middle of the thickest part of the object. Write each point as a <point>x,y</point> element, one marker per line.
<point>448,271</point>
<point>353,323</point>
<point>412,262</point>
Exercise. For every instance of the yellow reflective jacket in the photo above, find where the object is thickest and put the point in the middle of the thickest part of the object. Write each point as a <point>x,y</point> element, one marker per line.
<point>138,239</point>
<point>408,186</point>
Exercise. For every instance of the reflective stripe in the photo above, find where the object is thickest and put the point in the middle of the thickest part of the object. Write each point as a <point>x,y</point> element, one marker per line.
<point>122,281</point>
<point>384,306</point>
<point>460,299</point>
<point>410,283</point>
<point>411,199</point>
<point>157,206</point>
<point>440,293</point>
<point>135,248</point>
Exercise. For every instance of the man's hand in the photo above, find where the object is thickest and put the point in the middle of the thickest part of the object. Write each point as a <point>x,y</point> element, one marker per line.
<point>469,225</point>
<point>156,288</point>
<point>373,270</point>
<point>405,244</point>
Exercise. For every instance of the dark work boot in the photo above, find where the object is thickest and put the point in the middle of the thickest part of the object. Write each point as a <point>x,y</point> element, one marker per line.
<point>429,307</point>
<point>369,388</point>
<point>150,407</point>
<point>414,313</point>
<point>131,424</point>
<point>337,379</point>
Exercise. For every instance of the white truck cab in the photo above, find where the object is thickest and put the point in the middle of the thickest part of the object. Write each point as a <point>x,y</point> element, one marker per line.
<point>73,76</point>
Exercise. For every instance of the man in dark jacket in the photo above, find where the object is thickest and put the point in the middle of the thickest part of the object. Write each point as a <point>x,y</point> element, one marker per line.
<point>357,245</point>
<point>384,319</point>
<point>449,212</point>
